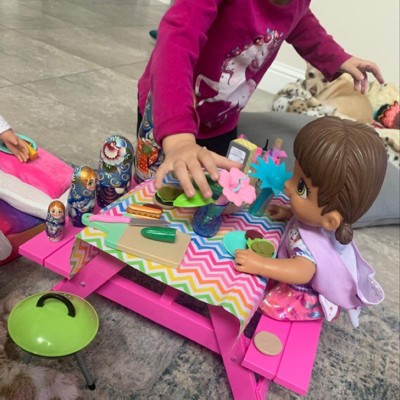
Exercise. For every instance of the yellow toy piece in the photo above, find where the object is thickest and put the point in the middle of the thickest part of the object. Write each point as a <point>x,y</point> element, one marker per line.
<point>33,154</point>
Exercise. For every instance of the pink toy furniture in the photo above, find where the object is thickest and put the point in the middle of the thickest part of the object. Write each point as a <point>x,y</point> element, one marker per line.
<point>95,269</point>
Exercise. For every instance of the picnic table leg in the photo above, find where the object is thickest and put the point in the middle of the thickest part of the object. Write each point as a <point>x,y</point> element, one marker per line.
<point>242,381</point>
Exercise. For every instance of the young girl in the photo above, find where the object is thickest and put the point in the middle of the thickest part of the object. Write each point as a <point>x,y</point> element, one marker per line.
<point>339,170</point>
<point>208,59</point>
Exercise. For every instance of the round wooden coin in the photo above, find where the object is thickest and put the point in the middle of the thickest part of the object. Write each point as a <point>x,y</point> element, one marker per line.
<point>267,343</point>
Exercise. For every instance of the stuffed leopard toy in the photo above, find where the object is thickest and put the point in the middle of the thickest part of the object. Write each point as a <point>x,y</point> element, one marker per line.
<point>294,98</point>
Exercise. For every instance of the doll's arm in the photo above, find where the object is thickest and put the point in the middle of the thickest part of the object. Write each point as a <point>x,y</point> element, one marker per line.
<point>298,270</point>
<point>280,213</point>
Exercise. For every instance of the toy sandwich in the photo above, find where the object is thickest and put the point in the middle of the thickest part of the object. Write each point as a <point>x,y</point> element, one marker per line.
<point>145,211</point>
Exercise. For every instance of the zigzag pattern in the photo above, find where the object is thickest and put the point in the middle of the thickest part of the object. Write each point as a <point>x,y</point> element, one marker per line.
<point>207,271</point>
<point>81,254</point>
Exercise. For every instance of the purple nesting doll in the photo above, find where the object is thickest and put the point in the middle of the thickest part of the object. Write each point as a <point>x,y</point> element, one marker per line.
<point>115,170</point>
<point>55,221</point>
<point>81,198</point>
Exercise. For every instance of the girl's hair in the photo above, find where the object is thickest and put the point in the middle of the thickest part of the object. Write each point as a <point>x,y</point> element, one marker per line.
<point>347,161</point>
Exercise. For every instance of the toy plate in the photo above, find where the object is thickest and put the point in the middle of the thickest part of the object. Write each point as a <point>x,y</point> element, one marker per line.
<point>235,240</point>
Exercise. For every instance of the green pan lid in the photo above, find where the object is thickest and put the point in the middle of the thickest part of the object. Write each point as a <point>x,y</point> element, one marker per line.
<point>53,324</point>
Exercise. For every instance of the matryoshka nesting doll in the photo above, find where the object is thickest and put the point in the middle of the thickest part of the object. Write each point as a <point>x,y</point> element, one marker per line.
<point>55,221</point>
<point>115,170</point>
<point>81,198</point>
<point>149,155</point>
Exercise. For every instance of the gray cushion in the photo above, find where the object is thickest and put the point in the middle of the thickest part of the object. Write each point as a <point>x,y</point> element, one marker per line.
<point>260,126</point>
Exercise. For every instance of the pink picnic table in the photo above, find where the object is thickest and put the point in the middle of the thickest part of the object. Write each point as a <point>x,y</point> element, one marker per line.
<point>206,273</point>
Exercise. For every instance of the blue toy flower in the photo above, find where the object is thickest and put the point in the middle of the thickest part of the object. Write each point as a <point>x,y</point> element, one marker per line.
<point>271,176</point>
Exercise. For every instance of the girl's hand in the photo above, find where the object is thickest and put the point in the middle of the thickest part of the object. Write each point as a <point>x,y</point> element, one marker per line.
<point>358,69</point>
<point>279,213</point>
<point>189,160</point>
<point>16,145</point>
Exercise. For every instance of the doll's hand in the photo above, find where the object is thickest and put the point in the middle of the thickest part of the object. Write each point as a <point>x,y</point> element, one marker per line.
<point>358,69</point>
<point>297,271</point>
<point>187,159</point>
<point>279,213</point>
<point>249,262</point>
<point>16,145</point>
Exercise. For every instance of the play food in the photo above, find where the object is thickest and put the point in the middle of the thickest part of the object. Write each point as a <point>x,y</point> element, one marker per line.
<point>160,234</point>
<point>33,154</point>
<point>139,210</point>
<point>167,194</point>
<point>53,324</point>
<point>253,234</point>
<point>262,247</point>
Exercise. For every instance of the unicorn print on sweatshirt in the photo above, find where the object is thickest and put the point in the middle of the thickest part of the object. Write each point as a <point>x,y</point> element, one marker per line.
<point>235,85</point>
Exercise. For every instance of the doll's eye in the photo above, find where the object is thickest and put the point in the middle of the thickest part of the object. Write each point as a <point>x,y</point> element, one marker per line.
<point>302,189</point>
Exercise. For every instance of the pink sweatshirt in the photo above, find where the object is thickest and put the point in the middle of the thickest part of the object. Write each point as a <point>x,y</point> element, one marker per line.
<point>211,54</point>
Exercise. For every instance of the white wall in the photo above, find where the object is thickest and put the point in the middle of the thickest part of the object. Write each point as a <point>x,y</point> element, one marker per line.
<point>365,28</point>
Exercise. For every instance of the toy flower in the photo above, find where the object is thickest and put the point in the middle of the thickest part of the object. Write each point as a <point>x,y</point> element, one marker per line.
<point>271,176</point>
<point>236,187</point>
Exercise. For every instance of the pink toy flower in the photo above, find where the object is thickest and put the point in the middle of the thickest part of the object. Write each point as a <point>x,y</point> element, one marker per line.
<point>236,187</point>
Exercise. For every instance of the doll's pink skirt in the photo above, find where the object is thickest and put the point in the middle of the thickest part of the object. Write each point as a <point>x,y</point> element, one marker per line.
<point>284,302</point>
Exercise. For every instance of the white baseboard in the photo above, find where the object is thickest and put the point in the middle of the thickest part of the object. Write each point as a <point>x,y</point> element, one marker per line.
<point>279,75</point>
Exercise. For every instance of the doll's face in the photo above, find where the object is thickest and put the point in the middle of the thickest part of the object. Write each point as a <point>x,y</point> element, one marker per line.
<point>303,198</point>
<point>56,212</point>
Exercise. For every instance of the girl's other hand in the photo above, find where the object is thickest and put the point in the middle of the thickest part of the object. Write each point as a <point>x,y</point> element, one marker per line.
<point>358,69</point>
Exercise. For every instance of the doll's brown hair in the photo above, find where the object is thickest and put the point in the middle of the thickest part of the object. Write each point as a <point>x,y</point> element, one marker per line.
<point>347,161</point>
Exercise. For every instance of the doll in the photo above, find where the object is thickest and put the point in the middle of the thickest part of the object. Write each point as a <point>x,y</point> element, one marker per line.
<point>55,221</point>
<point>339,170</point>
<point>81,197</point>
<point>115,170</point>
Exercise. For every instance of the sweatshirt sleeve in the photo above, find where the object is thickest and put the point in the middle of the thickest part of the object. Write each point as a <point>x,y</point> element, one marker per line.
<point>4,126</point>
<point>317,47</point>
<point>181,36</point>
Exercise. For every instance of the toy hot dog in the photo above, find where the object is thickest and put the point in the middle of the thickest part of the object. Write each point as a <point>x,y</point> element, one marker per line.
<point>144,211</point>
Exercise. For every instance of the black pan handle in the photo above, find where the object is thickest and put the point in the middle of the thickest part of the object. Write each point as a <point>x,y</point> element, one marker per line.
<point>67,302</point>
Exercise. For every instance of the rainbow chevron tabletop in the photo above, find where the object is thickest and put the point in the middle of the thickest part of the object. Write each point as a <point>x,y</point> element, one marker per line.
<point>207,270</point>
